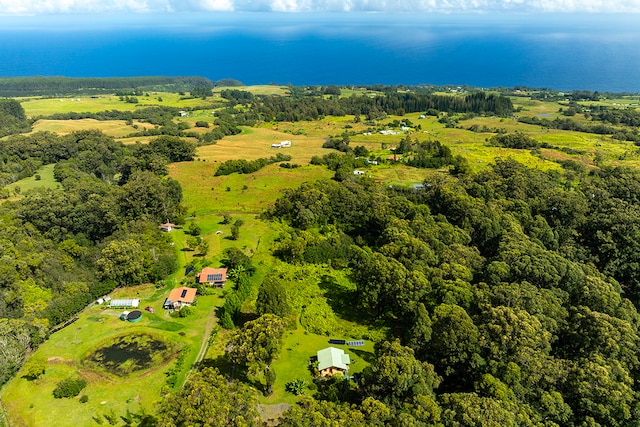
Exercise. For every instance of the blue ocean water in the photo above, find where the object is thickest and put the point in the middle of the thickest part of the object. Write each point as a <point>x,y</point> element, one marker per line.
<point>554,51</point>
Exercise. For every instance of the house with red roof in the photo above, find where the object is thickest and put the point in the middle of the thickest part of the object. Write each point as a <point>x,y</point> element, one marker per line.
<point>167,227</point>
<point>180,297</point>
<point>213,276</point>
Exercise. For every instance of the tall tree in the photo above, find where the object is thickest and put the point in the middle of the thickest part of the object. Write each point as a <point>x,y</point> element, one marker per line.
<point>256,345</point>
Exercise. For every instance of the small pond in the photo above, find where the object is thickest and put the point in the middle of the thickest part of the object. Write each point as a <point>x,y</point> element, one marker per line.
<point>130,353</point>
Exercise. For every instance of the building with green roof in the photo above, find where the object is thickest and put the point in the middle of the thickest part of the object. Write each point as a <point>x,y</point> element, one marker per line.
<point>333,361</point>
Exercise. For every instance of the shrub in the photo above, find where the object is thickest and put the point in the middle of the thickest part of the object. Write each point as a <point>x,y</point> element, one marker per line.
<point>84,398</point>
<point>296,386</point>
<point>70,387</point>
<point>185,311</point>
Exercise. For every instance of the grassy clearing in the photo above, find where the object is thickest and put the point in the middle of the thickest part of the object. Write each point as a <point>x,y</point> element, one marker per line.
<point>298,347</point>
<point>46,181</point>
<point>115,128</point>
<point>35,107</point>
<point>66,349</point>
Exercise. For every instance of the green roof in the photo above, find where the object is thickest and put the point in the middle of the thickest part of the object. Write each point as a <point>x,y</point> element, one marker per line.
<point>332,357</point>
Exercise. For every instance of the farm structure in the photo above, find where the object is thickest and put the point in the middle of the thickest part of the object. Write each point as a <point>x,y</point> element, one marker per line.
<point>124,303</point>
<point>213,276</point>
<point>282,144</point>
<point>332,361</point>
<point>180,297</point>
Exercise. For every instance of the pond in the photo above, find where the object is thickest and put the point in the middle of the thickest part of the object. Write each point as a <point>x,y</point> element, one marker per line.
<point>130,353</point>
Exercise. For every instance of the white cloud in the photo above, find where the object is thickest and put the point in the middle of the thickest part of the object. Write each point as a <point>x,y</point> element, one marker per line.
<point>36,7</point>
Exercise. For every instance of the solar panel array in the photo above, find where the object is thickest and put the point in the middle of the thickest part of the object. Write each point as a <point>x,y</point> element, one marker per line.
<point>214,277</point>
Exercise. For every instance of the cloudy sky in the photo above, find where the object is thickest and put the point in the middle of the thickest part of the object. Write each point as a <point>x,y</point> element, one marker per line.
<point>43,7</point>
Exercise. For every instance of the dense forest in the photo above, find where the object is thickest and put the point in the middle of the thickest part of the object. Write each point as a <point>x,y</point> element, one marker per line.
<point>502,293</point>
<point>47,86</point>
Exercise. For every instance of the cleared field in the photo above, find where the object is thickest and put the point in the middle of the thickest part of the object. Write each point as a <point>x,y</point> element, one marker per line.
<point>255,143</point>
<point>35,107</point>
<point>256,90</point>
<point>46,181</point>
<point>108,395</point>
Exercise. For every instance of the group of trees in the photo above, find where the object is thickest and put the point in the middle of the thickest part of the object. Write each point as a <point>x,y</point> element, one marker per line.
<point>309,107</point>
<point>12,118</point>
<point>509,295</point>
<point>249,166</point>
<point>43,86</point>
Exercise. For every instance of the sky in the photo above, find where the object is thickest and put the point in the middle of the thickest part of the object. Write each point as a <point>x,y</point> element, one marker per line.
<point>47,7</point>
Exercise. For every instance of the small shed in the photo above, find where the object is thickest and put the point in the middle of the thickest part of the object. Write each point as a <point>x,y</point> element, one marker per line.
<point>332,361</point>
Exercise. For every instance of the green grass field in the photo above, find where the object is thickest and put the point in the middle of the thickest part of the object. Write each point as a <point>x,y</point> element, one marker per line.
<point>66,349</point>
<point>46,181</point>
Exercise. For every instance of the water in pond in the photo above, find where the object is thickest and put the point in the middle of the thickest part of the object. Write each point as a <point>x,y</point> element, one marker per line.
<point>130,353</point>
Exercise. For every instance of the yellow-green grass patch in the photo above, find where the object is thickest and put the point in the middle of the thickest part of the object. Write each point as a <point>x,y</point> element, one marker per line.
<point>46,180</point>
<point>115,128</point>
<point>257,144</point>
<point>206,193</point>
<point>256,89</point>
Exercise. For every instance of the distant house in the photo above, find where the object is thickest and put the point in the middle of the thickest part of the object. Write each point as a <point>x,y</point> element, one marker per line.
<point>167,226</point>
<point>180,297</point>
<point>124,303</point>
<point>213,276</point>
<point>332,361</point>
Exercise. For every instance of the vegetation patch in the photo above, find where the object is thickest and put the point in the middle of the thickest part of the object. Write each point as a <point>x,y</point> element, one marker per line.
<point>129,354</point>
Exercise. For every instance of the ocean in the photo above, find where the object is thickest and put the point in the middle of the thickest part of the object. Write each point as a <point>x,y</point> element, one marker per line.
<point>563,52</point>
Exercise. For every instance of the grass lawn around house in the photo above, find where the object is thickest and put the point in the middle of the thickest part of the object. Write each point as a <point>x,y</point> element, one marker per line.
<point>67,348</point>
<point>298,347</point>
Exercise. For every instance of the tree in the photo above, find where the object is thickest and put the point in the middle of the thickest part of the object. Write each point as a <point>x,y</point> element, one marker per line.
<point>35,367</point>
<point>256,345</point>
<point>209,399</point>
<point>396,376</point>
<point>419,335</point>
<point>203,247</point>
<point>14,343</point>
<point>454,348</point>
<point>122,261</point>
<point>272,298</point>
